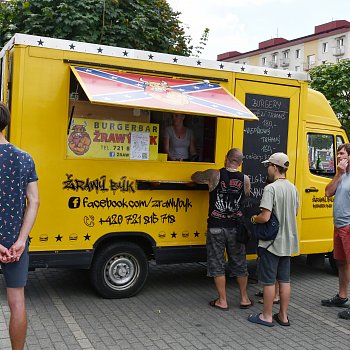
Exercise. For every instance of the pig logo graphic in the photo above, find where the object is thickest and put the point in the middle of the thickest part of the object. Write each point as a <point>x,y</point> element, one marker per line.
<point>79,140</point>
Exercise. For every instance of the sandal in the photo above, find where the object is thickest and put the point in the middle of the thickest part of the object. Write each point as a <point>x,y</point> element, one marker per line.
<point>255,318</point>
<point>276,302</point>
<point>246,306</point>
<point>213,304</point>
<point>278,320</point>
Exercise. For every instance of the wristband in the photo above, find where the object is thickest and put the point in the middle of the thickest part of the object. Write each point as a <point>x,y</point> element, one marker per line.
<point>252,219</point>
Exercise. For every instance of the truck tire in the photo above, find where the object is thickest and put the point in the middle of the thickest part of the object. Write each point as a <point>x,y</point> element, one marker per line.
<point>119,270</point>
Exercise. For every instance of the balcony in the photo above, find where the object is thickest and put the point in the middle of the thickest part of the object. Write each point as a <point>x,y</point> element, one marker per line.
<point>284,62</point>
<point>272,64</point>
<point>308,66</point>
<point>338,51</point>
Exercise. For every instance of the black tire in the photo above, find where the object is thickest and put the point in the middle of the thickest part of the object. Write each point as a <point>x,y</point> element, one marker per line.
<point>119,270</point>
<point>333,263</point>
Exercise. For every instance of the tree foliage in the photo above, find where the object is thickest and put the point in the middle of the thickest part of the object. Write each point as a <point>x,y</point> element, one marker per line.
<point>139,24</point>
<point>333,80</point>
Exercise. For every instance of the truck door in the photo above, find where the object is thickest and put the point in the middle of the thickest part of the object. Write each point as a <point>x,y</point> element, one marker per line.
<point>318,167</point>
<point>277,107</point>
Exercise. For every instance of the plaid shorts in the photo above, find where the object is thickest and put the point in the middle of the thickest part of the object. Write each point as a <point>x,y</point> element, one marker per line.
<point>219,239</point>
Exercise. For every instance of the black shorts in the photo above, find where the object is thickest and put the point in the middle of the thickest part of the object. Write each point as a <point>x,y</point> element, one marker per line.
<point>16,273</point>
<point>272,267</point>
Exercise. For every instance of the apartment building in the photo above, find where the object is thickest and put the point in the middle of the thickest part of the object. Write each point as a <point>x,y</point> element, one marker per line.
<point>329,43</point>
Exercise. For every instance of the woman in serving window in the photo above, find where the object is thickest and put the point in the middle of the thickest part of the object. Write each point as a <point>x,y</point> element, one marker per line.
<point>179,141</point>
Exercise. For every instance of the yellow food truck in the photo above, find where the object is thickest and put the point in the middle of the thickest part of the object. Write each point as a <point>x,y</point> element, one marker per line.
<point>94,118</point>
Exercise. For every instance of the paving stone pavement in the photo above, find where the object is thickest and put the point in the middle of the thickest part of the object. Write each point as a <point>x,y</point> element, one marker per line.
<point>172,312</point>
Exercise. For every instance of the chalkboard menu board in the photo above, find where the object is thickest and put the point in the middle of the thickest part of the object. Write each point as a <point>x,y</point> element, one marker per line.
<point>264,137</point>
<point>261,139</point>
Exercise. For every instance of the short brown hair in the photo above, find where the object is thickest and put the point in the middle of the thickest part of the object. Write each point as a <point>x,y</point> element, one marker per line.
<point>4,116</point>
<point>346,146</point>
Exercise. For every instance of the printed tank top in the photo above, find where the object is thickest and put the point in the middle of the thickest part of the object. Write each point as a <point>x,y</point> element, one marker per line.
<point>225,199</point>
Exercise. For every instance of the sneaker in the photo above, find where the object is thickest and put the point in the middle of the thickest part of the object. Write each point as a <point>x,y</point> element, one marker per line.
<point>345,314</point>
<point>335,301</point>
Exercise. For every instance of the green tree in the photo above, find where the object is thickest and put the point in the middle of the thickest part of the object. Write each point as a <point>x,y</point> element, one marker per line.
<point>202,42</point>
<point>139,24</point>
<point>333,80</point>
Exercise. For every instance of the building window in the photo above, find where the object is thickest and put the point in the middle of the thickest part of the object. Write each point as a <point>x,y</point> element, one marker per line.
<point>297,53</point>
<point>286,54</point>
<point>339,49</point>
<point>340,42</point>
<point>311,60</point>
<point>297,68</point>
<point>324,47</point>
<point>263,61</point>
<point>273,63</point>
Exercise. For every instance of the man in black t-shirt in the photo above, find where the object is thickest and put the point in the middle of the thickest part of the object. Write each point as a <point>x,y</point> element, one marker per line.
<point>227,189</point>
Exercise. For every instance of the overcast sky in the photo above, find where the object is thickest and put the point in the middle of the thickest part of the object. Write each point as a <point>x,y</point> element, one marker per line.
<point>239,25</point>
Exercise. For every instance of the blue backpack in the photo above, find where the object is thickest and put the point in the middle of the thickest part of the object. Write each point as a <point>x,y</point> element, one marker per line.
<point>267,231</point>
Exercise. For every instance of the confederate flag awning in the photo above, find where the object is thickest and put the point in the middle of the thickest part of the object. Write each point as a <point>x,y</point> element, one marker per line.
<point>159,93</point>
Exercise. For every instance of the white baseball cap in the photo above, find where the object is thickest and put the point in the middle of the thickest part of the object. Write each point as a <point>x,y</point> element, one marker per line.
<point>279,158</point>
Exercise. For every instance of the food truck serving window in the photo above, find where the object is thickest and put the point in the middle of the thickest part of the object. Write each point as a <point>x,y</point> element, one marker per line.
<point>122,115</point>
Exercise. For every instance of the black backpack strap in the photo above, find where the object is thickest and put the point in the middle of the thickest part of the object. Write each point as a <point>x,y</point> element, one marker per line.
<point>276,235</point>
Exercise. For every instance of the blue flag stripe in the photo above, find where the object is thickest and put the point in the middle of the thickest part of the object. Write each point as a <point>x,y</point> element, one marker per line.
<point>112,77</point>
<point>219,107</point>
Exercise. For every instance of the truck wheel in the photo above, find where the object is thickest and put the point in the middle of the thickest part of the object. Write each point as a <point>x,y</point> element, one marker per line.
<point>333,263</point>
<point>119,270</point>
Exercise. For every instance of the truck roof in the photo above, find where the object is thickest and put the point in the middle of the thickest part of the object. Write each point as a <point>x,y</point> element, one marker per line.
<point>176,60</point>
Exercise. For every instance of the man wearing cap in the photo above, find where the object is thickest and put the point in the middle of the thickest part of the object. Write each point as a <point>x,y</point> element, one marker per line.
<point>280,197</point>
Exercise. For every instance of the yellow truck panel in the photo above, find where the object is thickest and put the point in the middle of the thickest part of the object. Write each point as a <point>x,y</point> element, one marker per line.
<point>93,118</point>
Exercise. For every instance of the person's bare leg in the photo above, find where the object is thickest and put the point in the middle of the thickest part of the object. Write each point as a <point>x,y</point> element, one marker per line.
<point>276,298</point>
<point>18,318</point>
<point>220,284</point>
<point>344,278</point>
<point>242,284</point>
<point>277,294</point>
<point>269,294</point>
<point>284,301</point>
